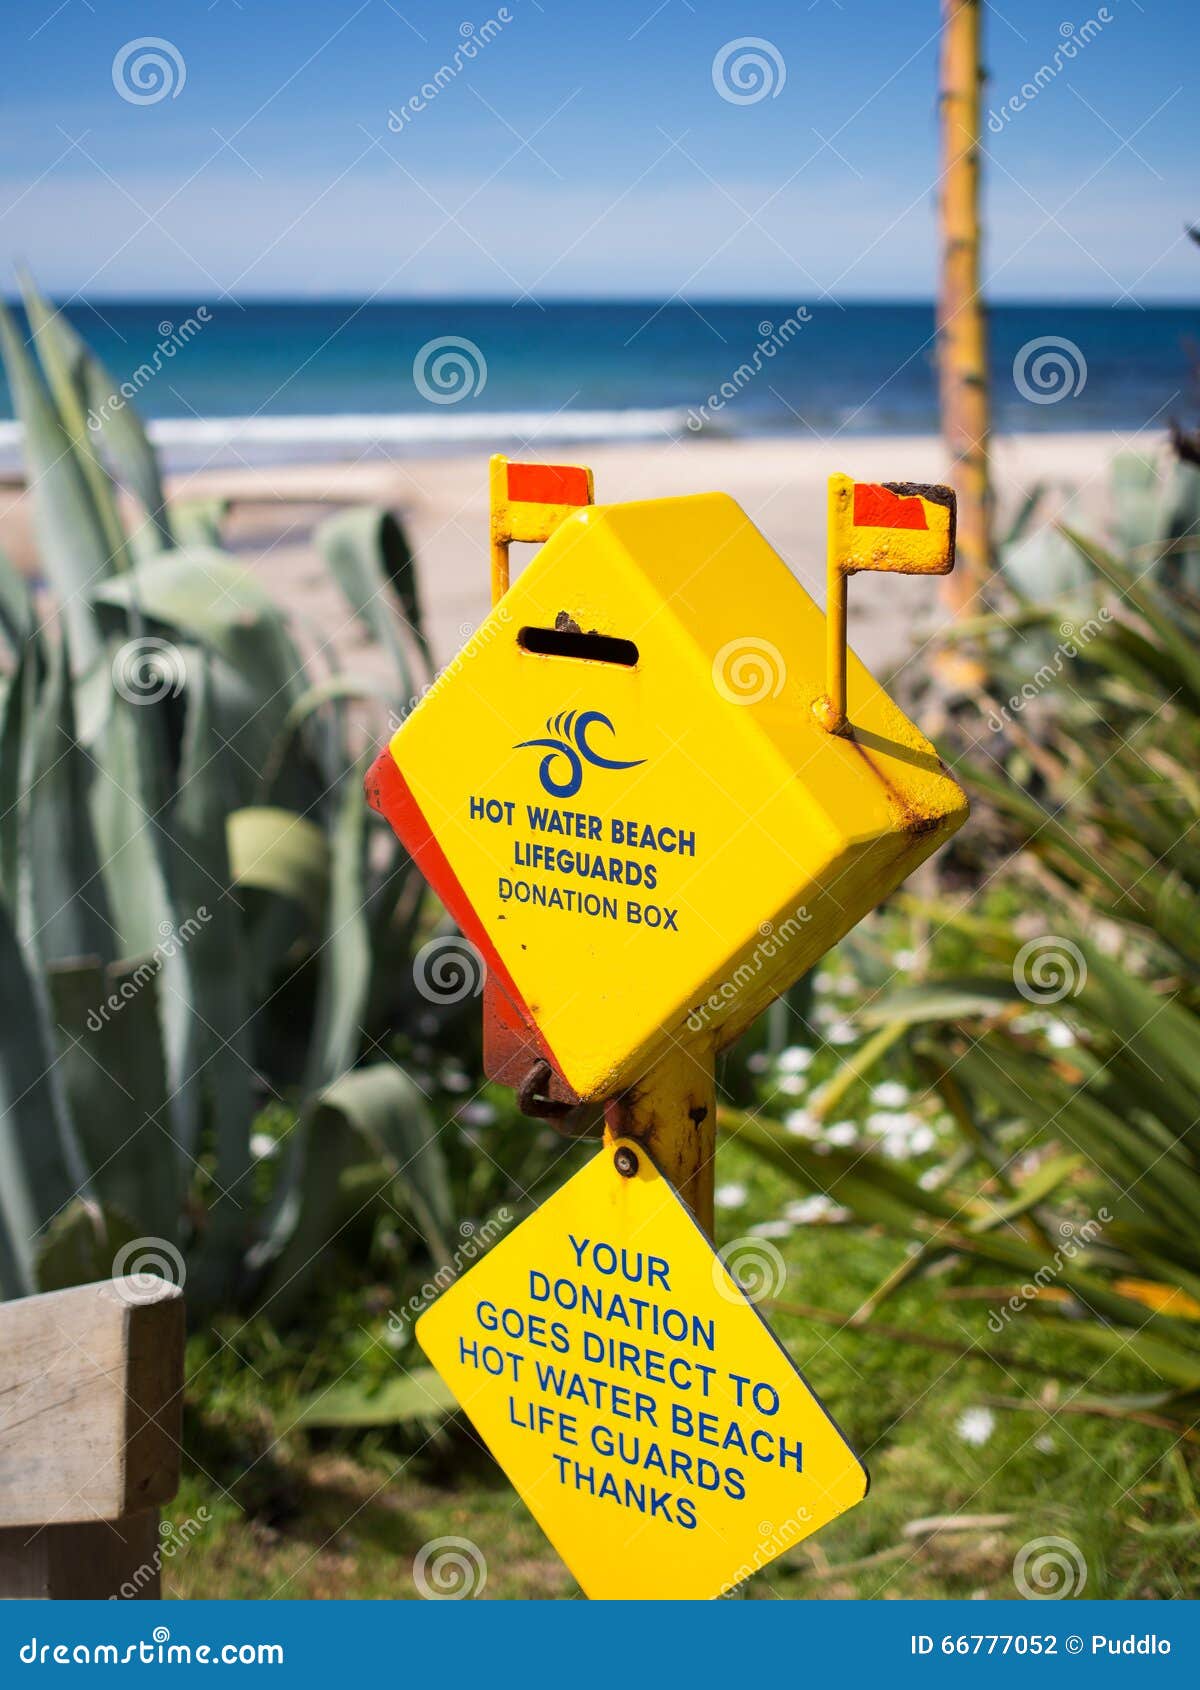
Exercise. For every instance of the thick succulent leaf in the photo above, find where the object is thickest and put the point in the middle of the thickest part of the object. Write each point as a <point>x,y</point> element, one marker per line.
<point>374,1116</point>
<point>212,600</point>
<point>344,959</point>
<point>74,550</point>
<point>16,606</point>
<point>211,932</point>
<point>69,902</point>
<point>41,1167</point>
<point>197,595</point>
<point>130,799</point>
<point>198,522</point>
<point>415,1396</point>
<point>369,556</point>
<point>17,714</point>
<point>115,1076</point>
<point>64,358</point>
<point>275,850</point>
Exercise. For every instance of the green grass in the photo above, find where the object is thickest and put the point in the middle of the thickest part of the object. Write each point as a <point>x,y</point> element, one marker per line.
<point>300,1514</point>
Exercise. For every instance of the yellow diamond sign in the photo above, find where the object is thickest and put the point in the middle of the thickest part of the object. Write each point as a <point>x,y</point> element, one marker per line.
<point>660,1435</point>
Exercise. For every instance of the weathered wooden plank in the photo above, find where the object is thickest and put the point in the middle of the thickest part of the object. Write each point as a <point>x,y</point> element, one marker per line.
<point>90,1402</point>
<point>90,1562</point>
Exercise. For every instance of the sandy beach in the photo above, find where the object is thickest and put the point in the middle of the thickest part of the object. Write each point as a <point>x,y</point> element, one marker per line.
<point>443,501</point>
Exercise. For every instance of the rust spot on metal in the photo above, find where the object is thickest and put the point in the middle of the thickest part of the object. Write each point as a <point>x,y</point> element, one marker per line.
<point>936,493</point>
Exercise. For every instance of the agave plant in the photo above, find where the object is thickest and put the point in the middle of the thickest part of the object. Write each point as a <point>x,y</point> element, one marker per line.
<point>198,915</point>
<point>1067,1051</point>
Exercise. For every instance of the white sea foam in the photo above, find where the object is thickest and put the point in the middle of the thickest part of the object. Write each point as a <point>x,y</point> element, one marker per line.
<point>292,434</point>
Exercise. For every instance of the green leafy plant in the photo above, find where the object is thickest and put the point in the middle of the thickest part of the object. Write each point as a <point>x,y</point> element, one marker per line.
<point>198,915</point>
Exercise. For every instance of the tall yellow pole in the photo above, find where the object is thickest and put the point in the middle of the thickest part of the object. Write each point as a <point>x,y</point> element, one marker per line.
<point>962,320</point>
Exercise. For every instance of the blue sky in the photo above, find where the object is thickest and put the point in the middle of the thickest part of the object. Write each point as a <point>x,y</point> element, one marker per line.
<point>585,151</point>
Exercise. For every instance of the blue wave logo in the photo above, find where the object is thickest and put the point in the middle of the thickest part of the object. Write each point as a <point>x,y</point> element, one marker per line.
<point>570,745</point>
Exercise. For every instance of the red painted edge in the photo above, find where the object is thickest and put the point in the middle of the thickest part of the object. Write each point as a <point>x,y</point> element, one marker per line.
<point>547,484</point>
<point>878,507</point>
<point>388,792</point>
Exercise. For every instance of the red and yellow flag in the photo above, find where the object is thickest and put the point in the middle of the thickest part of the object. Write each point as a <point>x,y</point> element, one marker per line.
<point>530,500</point>
<point>902,526</point>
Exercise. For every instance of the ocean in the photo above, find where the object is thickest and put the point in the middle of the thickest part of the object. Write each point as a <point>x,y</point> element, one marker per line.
<point>272,381</point>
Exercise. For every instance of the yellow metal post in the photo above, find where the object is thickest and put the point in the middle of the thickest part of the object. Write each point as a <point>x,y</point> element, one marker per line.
<point>673,1112</point>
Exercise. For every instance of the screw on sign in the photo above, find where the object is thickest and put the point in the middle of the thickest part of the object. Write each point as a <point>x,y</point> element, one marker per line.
<point>645,855</point>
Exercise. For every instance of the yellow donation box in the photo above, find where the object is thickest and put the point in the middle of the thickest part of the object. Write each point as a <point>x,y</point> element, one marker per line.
<point>661,1437</point>
<point>625,794</point>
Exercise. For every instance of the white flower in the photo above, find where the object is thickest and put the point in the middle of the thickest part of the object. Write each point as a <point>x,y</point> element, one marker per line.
<point>801,1124</point>
<point>840,1033</point>
<point>904,959</point>
<point>1060,1035</point>
<point>892,1121</point>
<point>822,980</point>
<point>975,1426</point>
<point>730,1196</point>
<point>890,1094</point>
<point>805,1210</point>
<point>843,1134</point>
<point>479,1112</point>
<point>263,1145</point>
<point>771,1229</point>
<point>921,1140</point>
<point>758,1062</point>
<point>453,1079</point>
<point>795,1059</point>
<point>791,1085</point>
<point>1044,1443</point>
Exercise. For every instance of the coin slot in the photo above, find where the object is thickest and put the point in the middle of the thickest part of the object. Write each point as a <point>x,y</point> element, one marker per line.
<point>569,642</point>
